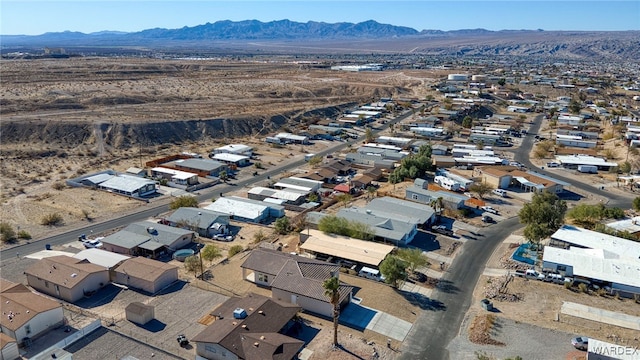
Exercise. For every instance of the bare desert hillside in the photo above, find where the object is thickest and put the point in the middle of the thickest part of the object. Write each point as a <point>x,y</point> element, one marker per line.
<point>65,117</point>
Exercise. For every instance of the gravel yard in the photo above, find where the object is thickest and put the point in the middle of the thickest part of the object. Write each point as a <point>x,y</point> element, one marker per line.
<point>525,340</point>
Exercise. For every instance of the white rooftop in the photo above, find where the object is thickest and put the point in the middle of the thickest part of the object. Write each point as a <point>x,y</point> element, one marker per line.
<point>233,207</point>
<point>595,240</point>
<point>382,146</point>
<point>631,225</point>
<point>583,160</point>
<point>229,157</point>
<point>181,175</point>
<point>126,183</point>
<point>235,148</point>
<point>596,264</point>
<point>101,257</point>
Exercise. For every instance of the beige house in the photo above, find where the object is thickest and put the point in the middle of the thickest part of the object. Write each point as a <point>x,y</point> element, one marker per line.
<point>66,278</point>
<point>26,314</point>
<point>8,348</point>
<point>145,274</point>
<point>295,279</point>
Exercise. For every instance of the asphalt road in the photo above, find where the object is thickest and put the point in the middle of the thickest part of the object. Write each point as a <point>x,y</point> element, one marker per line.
<point>154,208</point>
<point>435,329</point>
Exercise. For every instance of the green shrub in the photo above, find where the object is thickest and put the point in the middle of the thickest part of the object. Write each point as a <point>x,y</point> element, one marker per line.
<point>235,249</point>
<point>53,219</point>
<point>22,234</point>
<point>583,288</point>
<point>568,284</point>
<point>7,234</point>
<point>184,201</point>
<point>58,186</point>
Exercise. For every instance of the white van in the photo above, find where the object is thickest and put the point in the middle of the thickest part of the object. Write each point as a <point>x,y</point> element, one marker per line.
<point>500,192</point>
<point>370,273</point>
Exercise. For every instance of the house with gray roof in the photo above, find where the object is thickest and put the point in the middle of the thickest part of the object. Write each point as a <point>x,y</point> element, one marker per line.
<point>128,185</point>
<point>385,228</point>
<point>370,160</point>
<point>205,222</point>
<point>147,238</point>
<point>424,196</point>
<point>248,210</point>
<point>423,215</point>
<point>200,166</point>
<point>295,279</point>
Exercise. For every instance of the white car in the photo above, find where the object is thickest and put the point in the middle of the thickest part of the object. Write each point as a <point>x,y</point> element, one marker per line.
<point>489,209</point>
<point>223,237</point>
<point>92,244</point>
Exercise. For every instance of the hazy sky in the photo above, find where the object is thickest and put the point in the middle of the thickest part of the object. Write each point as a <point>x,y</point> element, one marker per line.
<point>37,17</point>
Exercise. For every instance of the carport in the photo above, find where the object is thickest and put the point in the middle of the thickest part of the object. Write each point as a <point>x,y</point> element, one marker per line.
<point>528,186</point>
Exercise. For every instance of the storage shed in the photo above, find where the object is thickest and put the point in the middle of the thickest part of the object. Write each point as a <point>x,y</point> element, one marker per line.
<point>139,313</point>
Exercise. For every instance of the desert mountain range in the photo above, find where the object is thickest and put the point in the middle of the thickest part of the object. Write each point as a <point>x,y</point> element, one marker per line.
<point>285,36</point>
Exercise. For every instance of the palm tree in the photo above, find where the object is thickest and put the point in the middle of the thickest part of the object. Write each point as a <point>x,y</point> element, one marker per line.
<point>331,286</point>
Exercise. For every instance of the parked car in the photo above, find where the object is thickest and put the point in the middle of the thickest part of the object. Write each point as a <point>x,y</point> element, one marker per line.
<point>487,219</point>
<point>223,237</point>
<point>553,164</point>
<point>441,229</point>
<point>489,209</point>
<point>580,342</point>
<point>500,192</point>
<point>92,244</point>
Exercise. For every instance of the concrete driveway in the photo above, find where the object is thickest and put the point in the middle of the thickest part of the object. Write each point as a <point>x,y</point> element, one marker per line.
<point>362,317</point>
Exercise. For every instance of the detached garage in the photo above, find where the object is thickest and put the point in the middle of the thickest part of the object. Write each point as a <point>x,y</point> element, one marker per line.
<point>145,274</point>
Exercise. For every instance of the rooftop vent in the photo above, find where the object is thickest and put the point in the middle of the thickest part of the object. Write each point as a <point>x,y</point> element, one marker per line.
<point>239,313</point>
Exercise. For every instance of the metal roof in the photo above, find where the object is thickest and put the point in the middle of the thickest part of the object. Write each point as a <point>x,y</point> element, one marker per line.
<point>364,252</point>
<point>235,207</point>
<point>164,234</point>
<point>583,160</point>
<point>383,227</point>
<point>230,157</point>
<point>285,194</point>
<point>234,148</point>
<point>101,257</point>
<point>182,175</point>
<point>202,218</point>
<point>597,264</point>
<point>401,209</point>
<point>126,183</point>
<point>631,225</point>
<point>126,239</point>
<point>200,164</point>
<point>99,178</point>
<point>595,240</point>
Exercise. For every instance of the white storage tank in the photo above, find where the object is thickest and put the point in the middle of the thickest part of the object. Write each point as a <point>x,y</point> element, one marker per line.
<point>457,77</point>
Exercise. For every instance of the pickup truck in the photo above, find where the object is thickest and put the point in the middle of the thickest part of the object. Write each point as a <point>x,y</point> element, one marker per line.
<point>441,229</point>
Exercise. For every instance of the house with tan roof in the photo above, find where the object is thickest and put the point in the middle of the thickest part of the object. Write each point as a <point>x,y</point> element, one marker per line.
<point>250,328</point>
<point>8,348</point>
<point>294,279</point>
<point>503,177</point>
<point>66,278</point>
<point>145,274</point>
<point>25,314</point>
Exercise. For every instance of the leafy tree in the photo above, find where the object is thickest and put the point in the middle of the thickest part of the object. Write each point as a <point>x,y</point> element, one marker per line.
<point>344,199</point>
<point>636,203</point>
<point>413,258</point>
<point>211,252</point>
<point>360,230</point>
<point>7,234</point>
<point>184,201</point>
<point>393,269</point>
<point>331,287</point>
<point>502,81</point>
<point>368,135</point>
<point>543,216</point>
<point>467,122</point>
<point>332,224</point>
<point>235,249</point>
<point>371,191</point>
<point>313,197</point>
<point>625,167</point>
<point>282,225</point>
<point>481,189</point>
<point>574,106</point>
<point>315,161</point>
<point>223,176</point>
<point>192,264</point>
<point>259,236</point>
